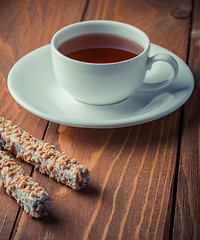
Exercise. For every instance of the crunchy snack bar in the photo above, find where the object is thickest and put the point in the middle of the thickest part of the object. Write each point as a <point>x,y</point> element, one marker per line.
<point>28,193</point>
<point>43,156</point>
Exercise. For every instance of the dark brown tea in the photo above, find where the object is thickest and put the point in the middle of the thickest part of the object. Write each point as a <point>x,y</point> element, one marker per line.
<point>100,48</point>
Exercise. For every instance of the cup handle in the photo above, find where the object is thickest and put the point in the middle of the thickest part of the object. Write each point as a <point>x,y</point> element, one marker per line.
<point>165,83</point>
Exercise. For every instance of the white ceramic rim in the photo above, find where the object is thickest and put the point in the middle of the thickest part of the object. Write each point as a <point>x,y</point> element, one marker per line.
<point>177,101</point>
<point>78,24</point>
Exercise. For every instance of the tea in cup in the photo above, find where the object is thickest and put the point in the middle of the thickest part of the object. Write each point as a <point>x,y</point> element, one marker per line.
<point>103,62</point>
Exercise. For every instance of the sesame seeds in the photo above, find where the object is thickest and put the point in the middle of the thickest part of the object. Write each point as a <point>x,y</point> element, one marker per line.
<point>1,184</point>
<point>59,166</point>
<point>22,187</point>
<point>43,156</point>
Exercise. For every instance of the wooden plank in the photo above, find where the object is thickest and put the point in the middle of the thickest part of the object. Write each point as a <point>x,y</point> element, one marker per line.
<point>128,186</point>
<point>152,17</point>
<point>13,29</point>
<point>24,26</point>
<point>129,196</point>
<point>187,211</point>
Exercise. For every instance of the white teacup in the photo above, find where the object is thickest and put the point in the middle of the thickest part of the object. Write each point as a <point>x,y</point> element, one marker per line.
<point>106,83</point>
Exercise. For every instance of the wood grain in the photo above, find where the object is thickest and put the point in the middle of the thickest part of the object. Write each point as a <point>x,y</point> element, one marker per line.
<point>11,48</point>
<point>153,17</point>
<point>187,212</point>
<point>24,26</point>
<point>123,174</point>
<point>130,195</point>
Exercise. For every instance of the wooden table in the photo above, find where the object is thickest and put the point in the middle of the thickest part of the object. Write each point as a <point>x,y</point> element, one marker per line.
<point>145,179</point>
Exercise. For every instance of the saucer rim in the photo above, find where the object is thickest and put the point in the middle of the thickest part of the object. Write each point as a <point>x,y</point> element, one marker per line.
<point>117,123</point>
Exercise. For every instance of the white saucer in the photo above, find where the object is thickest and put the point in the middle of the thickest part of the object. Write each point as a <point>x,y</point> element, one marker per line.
<point>32,84</point>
